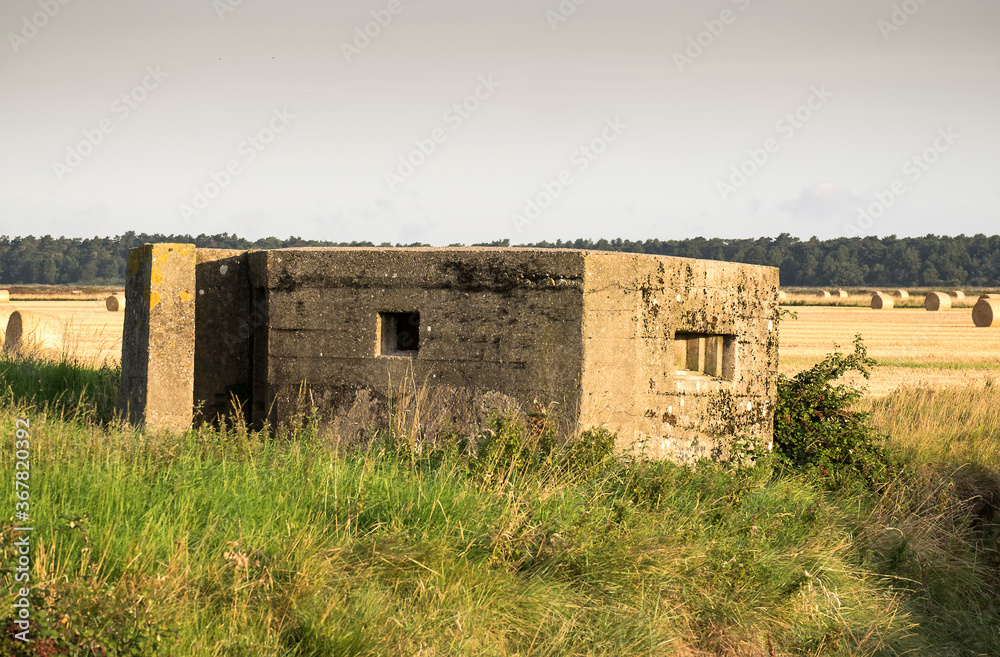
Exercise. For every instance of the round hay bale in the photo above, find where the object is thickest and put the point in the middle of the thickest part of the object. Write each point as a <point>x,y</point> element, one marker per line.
<point>989,296</point>
<point>900,295</point>
<point>841,294</point>
<point>4,296</point>
<point>5,313</point>
<point>986,313</point>
<point>33,333</point>
<point>936,301</point>
<point>782,295</point>
<point>823,294</point>
<point>957,296</point>
<point>882,301</point>
<point>115,303</point>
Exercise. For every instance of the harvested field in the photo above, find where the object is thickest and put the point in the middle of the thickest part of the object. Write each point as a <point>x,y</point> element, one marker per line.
<point>59,292</point>
<point>913,346</point>
<point>87,331</point>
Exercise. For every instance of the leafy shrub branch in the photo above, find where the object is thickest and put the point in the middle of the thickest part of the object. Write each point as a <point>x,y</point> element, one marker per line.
<point>817,430</point>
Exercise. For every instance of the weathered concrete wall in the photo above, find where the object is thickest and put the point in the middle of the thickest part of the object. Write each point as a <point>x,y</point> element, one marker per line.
<point>158,339</point>
<point>490,322</point>
<point>637,309</point>
<point>675,355</point>
<point>223,327</point>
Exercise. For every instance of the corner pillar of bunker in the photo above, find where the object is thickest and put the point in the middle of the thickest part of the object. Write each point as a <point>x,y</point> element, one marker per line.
<point>157,383</point>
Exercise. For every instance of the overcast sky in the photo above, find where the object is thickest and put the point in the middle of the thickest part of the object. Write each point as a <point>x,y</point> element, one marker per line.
<point>445,121</point>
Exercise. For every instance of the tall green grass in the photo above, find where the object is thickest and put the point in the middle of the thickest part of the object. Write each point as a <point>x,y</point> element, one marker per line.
<point>234,543</point>
<point>958,426</point>
<point>66,388</point>
<point>935,533</point>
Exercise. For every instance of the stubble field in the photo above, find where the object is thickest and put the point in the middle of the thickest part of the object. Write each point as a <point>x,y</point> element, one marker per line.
<point>82,329</point>
<point>912,346</point>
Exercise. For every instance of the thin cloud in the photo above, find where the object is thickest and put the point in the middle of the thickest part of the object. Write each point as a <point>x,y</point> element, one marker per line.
<point>824,200</point>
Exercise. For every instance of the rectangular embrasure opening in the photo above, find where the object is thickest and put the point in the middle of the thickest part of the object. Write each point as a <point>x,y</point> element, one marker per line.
<point>700,354</point>
<point>399,334</point>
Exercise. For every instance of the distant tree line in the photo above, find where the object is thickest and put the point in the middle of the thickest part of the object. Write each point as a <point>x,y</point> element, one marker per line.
<point>845,262</point>
<point>101,260</point>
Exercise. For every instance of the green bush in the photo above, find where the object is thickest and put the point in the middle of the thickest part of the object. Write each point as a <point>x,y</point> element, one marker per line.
<point>817,431</point>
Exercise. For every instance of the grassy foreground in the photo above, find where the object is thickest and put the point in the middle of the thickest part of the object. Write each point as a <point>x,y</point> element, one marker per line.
<point>231,543</point>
